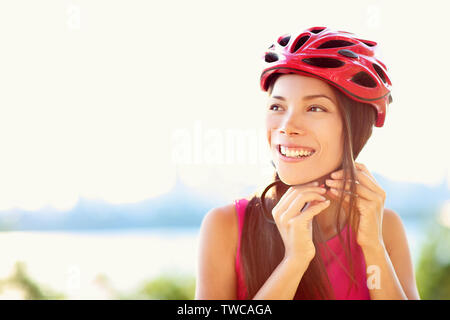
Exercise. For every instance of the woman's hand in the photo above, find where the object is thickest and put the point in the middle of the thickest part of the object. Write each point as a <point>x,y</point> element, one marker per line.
<point>295,227</point>
<point>369,203</point>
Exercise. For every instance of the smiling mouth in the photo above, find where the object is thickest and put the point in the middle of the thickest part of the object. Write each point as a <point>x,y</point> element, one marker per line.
<point>294,153</point>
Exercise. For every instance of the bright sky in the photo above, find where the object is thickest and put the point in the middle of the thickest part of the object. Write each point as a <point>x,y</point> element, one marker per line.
<point>98,96</point>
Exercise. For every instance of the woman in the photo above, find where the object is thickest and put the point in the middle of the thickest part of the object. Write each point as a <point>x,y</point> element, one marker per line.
<point>320,230</point>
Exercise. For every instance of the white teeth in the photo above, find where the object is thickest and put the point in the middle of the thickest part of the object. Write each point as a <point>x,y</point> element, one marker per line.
<point>294,153</point>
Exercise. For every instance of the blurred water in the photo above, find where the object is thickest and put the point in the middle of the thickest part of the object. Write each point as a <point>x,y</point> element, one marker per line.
<point>71,262</point>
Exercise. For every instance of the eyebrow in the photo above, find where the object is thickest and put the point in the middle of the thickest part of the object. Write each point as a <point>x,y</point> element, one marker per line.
<point>313,96</point>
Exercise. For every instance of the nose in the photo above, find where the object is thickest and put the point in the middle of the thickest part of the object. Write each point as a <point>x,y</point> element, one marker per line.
<point>289,127</point>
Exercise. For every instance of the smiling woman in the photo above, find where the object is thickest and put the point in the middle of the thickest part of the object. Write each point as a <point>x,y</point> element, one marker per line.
<point>299,239</point>
<point>299,112</point>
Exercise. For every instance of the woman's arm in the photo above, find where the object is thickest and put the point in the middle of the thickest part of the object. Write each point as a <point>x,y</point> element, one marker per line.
<point>283,282</point>
<point>216,274</point>
<point>391,272</point>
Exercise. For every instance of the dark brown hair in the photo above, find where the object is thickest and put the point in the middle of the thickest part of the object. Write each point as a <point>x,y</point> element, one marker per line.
<point>262,248</point>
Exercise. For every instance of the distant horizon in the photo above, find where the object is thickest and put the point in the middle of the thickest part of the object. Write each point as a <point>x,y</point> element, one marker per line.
<point>185,207</point>
<point>180,185</point>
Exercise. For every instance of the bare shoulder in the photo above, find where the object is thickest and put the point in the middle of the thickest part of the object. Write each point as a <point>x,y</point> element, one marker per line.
<point>216,278</point>
<point>396,243</point>
<point>222,222</point>
<point>391,216</point>
<point>392,227</point>
<point>391,219</point>
<point>225,216</point>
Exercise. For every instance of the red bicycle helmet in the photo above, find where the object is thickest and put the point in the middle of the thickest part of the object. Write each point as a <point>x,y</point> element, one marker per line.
<point>338,57</point>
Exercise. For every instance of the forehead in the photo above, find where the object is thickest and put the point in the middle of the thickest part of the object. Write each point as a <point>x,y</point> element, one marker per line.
<point>295,86</point>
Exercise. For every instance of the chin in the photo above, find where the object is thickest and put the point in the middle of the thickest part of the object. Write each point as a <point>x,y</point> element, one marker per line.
<point>305,173</point>
<point>291,180</point>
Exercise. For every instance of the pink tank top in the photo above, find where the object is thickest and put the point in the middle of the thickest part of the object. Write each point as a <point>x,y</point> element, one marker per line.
<point>338,277</point>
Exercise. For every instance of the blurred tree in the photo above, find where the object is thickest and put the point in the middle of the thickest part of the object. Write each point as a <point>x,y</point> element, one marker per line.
<point>165,287</point>
<point>433,267</point>
<point>29,288</point>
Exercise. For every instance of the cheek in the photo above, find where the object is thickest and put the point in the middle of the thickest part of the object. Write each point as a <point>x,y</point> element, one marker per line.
<point>269,137</point>
<point>271,124</point>
<point>333,144</point>
<point>329,135</point>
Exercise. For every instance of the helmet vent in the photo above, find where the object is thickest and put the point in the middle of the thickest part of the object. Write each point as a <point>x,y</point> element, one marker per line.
<point>300,42</point>
<point>324,62</point>
<point>370,44</point>
<point>380,72</point>
<point>284,41</point>
<point>335,44</point>
<point>271,57</point>
<point>348,53</point>
<point>316,31</point>
<point>364,79</point>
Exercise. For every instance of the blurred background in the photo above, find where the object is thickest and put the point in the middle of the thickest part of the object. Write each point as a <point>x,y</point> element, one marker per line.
<point>122,123</point>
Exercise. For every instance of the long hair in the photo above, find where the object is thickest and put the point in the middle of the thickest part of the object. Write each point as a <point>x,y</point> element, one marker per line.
<point>262,247</point>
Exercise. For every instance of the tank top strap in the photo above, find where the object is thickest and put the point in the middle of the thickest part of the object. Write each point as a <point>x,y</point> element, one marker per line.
<point>240,205</point>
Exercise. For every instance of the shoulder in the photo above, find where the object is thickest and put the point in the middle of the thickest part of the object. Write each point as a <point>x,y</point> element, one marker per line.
<point>391,219</point>
<point>392,228</point>
<point>396,243</point>
<point>391,216</point>
<point>221,223</point>
<point>216,274</point>
<point>223,215</point>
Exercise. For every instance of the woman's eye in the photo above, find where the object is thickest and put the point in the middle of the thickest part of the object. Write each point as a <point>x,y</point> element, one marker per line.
<point>274,105</point>
<point>317,107</point>
<point>312,107</point>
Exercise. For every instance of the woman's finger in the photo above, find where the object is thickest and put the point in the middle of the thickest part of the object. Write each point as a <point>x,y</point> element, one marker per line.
<point>290,194</point>
<point>298,203</point>
<point>312,211</point>
<point>364,169</point>
<point>361,190</point>
<point>362,177</point>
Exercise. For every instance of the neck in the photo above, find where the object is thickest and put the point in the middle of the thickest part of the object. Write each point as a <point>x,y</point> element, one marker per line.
<point>327,218</point>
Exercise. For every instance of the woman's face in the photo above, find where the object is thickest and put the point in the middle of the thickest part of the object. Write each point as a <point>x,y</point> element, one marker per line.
<point>297,116</point>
